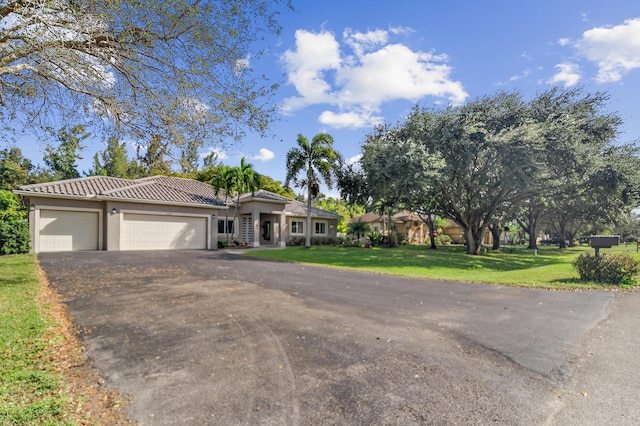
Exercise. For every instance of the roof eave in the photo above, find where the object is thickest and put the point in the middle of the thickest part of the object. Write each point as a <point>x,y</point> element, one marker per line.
<point>164,203</point>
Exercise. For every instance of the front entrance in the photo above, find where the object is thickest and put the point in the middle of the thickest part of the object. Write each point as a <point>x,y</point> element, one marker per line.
<point>246,230</point>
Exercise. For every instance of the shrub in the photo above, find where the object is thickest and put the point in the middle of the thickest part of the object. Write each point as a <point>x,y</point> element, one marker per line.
<point>618,269</point>
<point>296,241</point>
<point>374,238</point>
<point>14,229</point>
<point>14,237</point>
<point>442,239</point>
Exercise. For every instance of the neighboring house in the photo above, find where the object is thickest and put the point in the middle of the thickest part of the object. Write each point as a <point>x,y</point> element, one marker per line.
<point>404,222</point>
<point>157,213</point>
<point>409,224</point>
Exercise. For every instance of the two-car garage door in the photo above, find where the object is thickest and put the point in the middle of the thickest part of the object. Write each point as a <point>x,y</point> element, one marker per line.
<point>163,232</point>
<point>76,230</point>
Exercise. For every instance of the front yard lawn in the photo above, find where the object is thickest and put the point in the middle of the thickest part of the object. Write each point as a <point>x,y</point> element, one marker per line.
<point>550,268</point>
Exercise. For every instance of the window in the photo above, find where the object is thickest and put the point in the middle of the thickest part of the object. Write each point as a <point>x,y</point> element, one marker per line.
<point>321,228</point>
<point>222,229</point>
<point>297,227</point>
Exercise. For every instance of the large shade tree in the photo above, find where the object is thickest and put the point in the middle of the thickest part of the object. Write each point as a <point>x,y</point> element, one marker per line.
<point>580,178</point>
<point>486,159</point>
<point>310,162</point>
<point>181,69</point>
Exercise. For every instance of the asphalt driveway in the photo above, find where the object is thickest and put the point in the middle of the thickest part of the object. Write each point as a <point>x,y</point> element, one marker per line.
<point>198,337</point>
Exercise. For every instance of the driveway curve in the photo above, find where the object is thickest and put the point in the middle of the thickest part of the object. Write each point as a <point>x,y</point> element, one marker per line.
<point>199,337</point>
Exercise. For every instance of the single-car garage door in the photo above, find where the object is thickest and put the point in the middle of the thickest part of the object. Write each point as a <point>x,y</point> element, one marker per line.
<point>63,230</point>
<point>161,232</point>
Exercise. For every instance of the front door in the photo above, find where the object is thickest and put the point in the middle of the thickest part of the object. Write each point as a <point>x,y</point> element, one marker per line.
<point>246,229</point>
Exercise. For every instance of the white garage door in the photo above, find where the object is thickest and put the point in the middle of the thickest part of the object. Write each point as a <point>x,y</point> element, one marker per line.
<point>159,232</point>
<point>62,230</point>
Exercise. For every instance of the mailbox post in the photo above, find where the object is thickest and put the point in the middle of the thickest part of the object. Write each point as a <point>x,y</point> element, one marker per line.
<point>603,241</point>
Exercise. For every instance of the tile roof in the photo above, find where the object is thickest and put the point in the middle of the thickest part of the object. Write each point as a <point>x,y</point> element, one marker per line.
<point>263,194</point>
<point>162,189</point>
<point>81,187</point>
<point>297,208</point>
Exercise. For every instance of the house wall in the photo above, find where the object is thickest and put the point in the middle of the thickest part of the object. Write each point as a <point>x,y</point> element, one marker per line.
<point>110,222</point>
<point>331,227</point>
<point>39,203</point>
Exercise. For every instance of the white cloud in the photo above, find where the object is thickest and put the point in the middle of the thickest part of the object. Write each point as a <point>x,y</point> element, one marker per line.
<point>220,154</point>
<point>401,30</point>
<point>564,41</point>
<point>353,160</point>
<point>526,73</point>
<point>361,42</point>
<point>351,119</point>
<point>264,155</point>
<point>375,72</point>
<point>568,75</point>
<point>306,66</point>
<point>616,50</point>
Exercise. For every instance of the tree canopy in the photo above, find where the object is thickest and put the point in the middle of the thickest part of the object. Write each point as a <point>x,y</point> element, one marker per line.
<point>500,157</point>
<point>180,68</point>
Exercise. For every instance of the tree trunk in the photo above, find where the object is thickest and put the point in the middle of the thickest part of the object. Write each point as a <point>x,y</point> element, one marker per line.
<point>474,239</point>
<point>307,238</point>
<point>432,231</point>
<point>563,235</point>
<point>389,245</point>
<point>495,234</point>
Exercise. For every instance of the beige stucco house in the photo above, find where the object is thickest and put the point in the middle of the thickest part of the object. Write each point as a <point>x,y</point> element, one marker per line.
<point>159,213</point>
<point>411,226</point>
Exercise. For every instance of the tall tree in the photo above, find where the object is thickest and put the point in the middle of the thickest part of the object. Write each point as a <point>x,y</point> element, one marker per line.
<point>348,211</point>
<point>224,180</point>
<point>275,186</point>
<point>155,161</point>
<point>246,180</point>
<point>165,66</point>
<point>313,160</point>
<point>189,156</point>
<point>578,167</point>
<point>15,169</point>
<point>235,181</point>
<point>62,159</point>
<point>399,172</point>
<point>113,161</point>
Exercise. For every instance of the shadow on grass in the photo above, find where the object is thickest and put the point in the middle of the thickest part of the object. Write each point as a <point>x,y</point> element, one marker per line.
<point>423,257</point>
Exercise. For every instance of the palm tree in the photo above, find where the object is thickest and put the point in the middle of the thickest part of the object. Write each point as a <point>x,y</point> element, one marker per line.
<point>246,180</point>
<point>357,227</point>
<point>235,180</point>
<point>224,180</point>
<point>315,160</point>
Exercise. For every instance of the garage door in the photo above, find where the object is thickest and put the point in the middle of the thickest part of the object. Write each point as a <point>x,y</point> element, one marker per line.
<point>62,230</point>
<point>159,232</point>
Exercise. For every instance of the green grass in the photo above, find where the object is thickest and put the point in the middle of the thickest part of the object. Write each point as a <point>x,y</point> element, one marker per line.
<point>30,391</point>
<point>550,268</point>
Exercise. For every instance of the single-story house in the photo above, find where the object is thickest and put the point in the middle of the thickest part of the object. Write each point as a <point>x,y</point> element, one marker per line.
<point>159,213</point>
<point>409,224</point>
<point>403,222</point>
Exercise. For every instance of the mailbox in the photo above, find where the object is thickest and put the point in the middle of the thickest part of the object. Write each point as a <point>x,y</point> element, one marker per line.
<point>604,241</point>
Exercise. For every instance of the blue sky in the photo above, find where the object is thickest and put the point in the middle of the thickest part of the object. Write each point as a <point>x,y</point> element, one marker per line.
<point>348,65</point>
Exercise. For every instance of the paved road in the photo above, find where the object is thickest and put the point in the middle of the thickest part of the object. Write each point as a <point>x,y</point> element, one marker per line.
<point>196,337</point>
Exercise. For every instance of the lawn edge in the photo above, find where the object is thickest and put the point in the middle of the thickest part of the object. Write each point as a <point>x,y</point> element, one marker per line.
<point>89,398</point>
